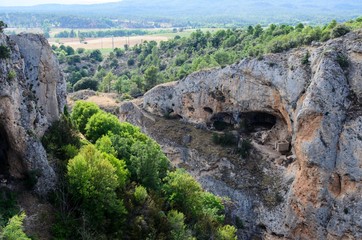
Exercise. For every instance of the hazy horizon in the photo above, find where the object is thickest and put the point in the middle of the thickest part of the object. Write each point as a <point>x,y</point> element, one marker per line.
<point>12,3</point>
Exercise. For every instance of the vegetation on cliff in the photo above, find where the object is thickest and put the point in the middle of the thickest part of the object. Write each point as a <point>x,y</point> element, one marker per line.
<point>119,184</point>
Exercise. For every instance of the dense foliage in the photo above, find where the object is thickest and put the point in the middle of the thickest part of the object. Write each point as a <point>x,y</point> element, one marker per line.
<point>14,229</point>
<point>122,187</point>
<point>134,70</point>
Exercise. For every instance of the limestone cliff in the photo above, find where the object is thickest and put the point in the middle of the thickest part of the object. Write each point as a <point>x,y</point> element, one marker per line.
<point>312,97</point>
<point>32,96</point>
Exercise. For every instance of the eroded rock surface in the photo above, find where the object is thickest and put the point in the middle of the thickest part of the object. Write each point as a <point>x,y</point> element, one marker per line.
<point>32,96</point>
<point>316,190</point>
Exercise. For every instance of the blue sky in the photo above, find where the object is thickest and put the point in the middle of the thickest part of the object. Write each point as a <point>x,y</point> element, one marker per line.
<point>35,2</point>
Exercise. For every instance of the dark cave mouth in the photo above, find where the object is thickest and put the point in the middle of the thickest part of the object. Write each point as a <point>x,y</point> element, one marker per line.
<point>257,121</point>
<point>247,121</point>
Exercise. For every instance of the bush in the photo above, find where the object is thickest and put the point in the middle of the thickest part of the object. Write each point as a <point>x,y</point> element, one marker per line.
<point>339,31</point>
<point>225,139</point>
<point>305,59</point>
<point>148,165</point>
<point>140,194</point>
<point>14,229</point>
<point>82,112</point>
<point>226,232</point>
<point>4,52</point>
<point>179,229</point>
<point>130,62</point>
<point>96,55</point>
<point>86,83</point>
<point>8,205</point>
<point>100,124</point>
<point>11,75</point>
<point>342,61</point>
<point>245,147</point>
<point>60,134</point>
<point>94,178</point>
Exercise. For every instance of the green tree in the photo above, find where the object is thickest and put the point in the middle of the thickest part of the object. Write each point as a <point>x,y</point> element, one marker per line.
<point>183,192</point>
<point>226,232</point>
<point>339,31</point>
<point>107,81</point>
<point>104,144</point>
<point>82,112</point>
<point>86,83</point>
<point>179,229</point>
<point>148,165</point>
<point>151,75</point>
<point>14,229</point>
<point>100,124</point>
<point>96,55</point>
<point>140,194</point>
<point>94,178</point>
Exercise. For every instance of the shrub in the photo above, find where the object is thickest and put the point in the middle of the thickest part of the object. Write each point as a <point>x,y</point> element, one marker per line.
<point>4,52</point>
<point>225,139</point>
<point>86,83</point>
<point>178,227</point>
<point>100,124</point>
<point>339,31</point>
<point>183,192</point>
<point>82,112</point>
<point>60,134</point>
<point>96,55</point>
<point>11,75</point>
<point>140,194</point>
<point>148,165</point>
<point>14,229</point>
<point>130,62</point>
<point>226,232</point>
<point>8,205</point>
<point>94,178</point>
<point>245,147</point>
<point>305,59</point>
<point>342,61</point>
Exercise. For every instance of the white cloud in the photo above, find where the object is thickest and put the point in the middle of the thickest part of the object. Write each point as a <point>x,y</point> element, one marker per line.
<point>4,3</point>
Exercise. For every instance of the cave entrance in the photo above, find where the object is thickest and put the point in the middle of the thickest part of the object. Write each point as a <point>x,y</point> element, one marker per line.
<point>4,149</point>
<point>257,121</point>
<point>223,121</point>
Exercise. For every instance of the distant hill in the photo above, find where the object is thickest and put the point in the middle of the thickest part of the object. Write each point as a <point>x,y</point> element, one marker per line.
<point>211,11</point>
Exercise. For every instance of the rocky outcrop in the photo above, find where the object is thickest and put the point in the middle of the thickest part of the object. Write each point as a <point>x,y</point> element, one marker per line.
<point>317,106</point>
<point>32,96</point>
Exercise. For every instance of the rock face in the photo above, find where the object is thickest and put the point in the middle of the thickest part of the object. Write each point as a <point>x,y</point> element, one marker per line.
<point>316,106</point>
<point>32,96</point>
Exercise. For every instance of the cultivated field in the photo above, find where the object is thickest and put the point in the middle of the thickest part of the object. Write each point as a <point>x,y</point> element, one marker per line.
<point>106,43</point>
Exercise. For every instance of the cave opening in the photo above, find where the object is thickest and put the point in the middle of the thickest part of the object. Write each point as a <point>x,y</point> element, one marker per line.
<point>257,121</point>
<point>223,121</point>
<point>4,149</point>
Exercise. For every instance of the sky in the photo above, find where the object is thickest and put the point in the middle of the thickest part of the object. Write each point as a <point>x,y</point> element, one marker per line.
<point>4,3</point>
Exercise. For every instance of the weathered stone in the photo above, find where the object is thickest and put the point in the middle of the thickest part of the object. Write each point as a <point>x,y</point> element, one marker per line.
<point>317,108</point>
<point>32,96</point>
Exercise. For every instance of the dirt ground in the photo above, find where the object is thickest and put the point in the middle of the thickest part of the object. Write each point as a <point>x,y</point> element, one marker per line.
<point>103,43</point>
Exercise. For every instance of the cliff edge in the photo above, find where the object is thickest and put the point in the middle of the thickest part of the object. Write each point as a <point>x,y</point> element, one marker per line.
<point>32,96</point>
<point>310,100</point>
